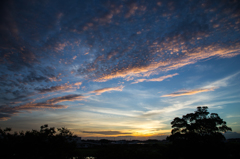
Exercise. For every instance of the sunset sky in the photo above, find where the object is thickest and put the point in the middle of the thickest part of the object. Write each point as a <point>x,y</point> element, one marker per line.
<point>118,68</point>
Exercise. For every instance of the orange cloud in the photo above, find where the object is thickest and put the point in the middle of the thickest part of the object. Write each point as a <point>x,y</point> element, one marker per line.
<point>132,8</point>
<point>100,91</point>
<point>65,87</point>
<point>56,88</point>
<point>188,92</point>
<point>159,79</point>
<point>74,57</point>
<point>55,78</point>
<point>60,46</point>
<point>174,61</point>
<point>78,83</point>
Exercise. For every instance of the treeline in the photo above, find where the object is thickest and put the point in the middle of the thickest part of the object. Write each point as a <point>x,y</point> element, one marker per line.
<point>47,143</point>
<point>51,143</point>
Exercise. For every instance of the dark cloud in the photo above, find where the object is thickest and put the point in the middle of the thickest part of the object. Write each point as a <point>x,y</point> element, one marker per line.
<point>7,111</point>
<point>71,97</point>
<point>105,132</point>
<point>34,77</point>
<point>4,116</point>
<point>54,88</point>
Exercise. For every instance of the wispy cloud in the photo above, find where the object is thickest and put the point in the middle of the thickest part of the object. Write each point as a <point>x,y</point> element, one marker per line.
<point>174,105</point>
<point>65,87</point>
<point>233,116</point>
<point>208,87</point>
<point>111,111</point>
<point>188,92</point>
<point>108,89</point>
<point>106,132</point>
<point>159,79</point>
<point>222,82</point>
<point>71,97</point>
<point>171,63</point>
<point>6,111</point>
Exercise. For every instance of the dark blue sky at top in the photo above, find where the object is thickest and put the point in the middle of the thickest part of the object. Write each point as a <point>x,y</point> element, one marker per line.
<point>49,46</point>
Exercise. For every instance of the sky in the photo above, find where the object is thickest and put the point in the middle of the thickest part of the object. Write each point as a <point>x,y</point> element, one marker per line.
<point>118,69</point>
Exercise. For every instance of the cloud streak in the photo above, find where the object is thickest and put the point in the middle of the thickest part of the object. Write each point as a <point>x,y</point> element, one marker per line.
<point>71,98</point>
<point>65,87</point>
<point>159,79</point>
<point>209,87</point>
<point>6,111</point>
<point>189,92</point>
<point>105,132</point>
<point>108,89</point>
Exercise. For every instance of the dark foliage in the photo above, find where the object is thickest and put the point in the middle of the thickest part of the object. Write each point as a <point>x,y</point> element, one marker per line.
<point>198,133</point>
<point>46,143</point>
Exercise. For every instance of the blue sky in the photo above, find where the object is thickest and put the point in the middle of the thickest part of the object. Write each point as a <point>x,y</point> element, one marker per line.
<point>121,69</point>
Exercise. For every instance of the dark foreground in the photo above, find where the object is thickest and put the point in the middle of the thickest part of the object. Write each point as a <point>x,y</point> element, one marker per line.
<point>60,143</point>
<point>160,151</point>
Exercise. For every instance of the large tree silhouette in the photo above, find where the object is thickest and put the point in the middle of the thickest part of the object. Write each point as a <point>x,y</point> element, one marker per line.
<point>198,131</point>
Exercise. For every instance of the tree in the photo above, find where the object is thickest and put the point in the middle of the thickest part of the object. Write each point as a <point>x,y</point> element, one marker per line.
<point>198,135</point>
<point>46,143</point>
<point>198,127</point>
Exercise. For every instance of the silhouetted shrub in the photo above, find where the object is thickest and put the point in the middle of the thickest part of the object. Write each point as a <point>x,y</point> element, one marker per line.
<point>46,143</point>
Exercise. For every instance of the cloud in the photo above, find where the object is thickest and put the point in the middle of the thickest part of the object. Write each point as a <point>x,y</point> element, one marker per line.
<point>108,89</point>
<point>4,116</point>
<point>132,9</point>
<point>222,82</point>
<point>171,63</point>
<point>188,92</point>
<point>71,97</point>
<point>34,77</point>
<point>110,111</point>
<point>105,132</point>
<point>209,87</point>
<point>54,88</point>
<point>233,116</point>
<point>64,87</point>
<point>78,83</point>
<point>120,39</point>
<point>6,111</point>
<point>159,79</point>
<point>174,105</point>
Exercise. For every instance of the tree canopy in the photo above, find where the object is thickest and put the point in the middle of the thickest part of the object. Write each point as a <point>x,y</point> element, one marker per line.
<point>198,127</point>
<point>46,143</point>
<point>198,134</point>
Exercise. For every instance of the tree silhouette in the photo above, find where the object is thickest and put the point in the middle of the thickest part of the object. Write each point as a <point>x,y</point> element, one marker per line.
<point>46,143</point>
<point>199,127</point>
<point>198,131</point>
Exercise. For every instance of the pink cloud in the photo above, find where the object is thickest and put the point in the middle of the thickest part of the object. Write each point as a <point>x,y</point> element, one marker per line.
<point>188,92</point>
<point>100,91</point>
